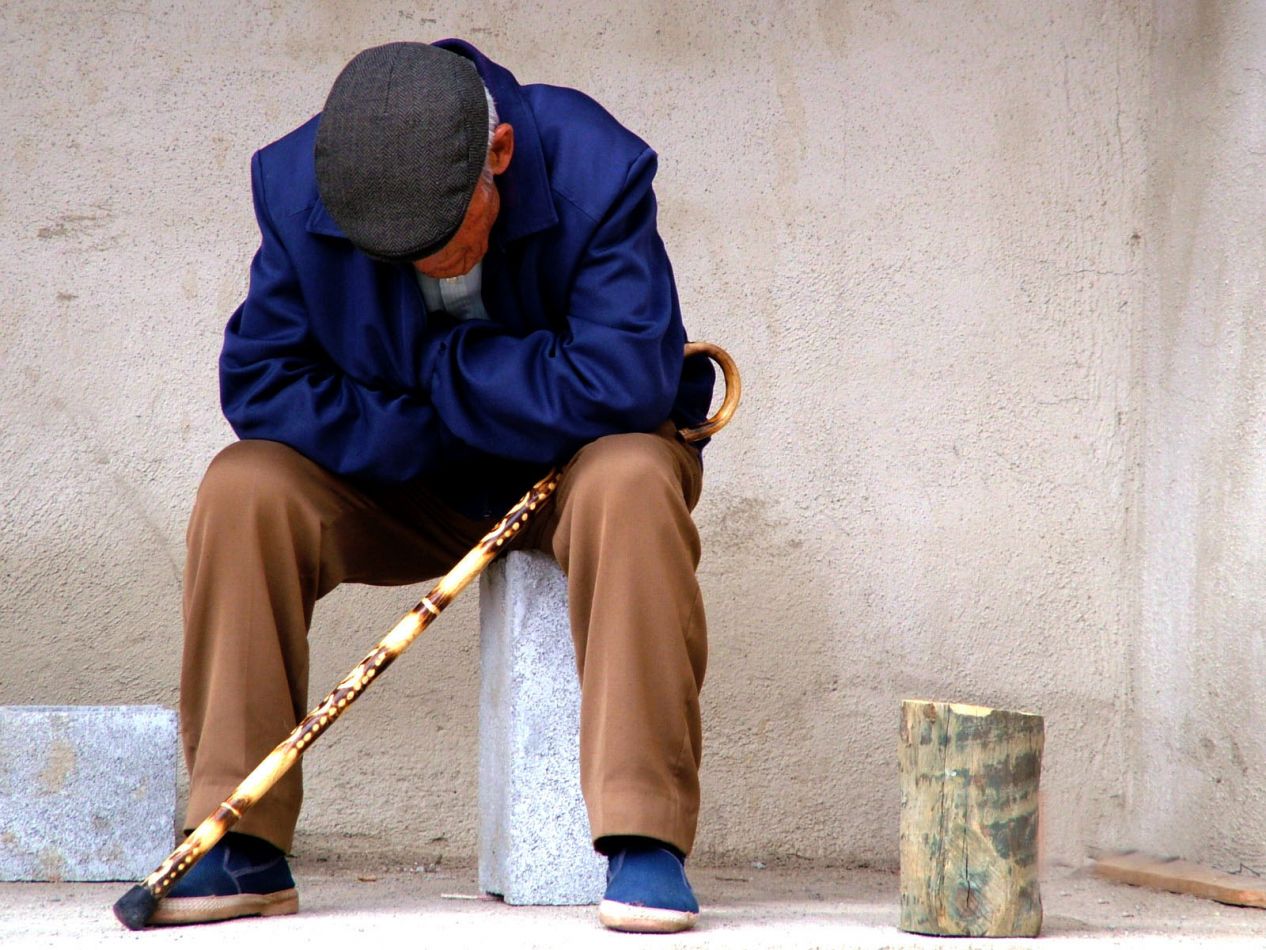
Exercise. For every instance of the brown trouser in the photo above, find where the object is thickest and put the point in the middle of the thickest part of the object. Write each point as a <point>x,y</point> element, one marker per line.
<point>272,532</point>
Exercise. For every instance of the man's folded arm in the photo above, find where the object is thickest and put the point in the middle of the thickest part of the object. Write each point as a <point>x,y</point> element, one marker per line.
<point>614,367</point>
<point>277,383</point>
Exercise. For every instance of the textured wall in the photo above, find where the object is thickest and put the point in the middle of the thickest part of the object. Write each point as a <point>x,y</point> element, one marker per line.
<point>1200,732</point>
<point>919,227</point>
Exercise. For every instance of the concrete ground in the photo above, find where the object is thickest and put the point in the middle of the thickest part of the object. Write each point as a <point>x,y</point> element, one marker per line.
<point>360,903</point>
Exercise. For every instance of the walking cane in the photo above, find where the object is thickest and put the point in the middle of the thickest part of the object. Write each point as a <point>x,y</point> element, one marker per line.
<point>135,908</point>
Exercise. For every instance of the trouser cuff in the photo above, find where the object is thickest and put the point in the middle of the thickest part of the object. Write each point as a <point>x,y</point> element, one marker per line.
<point>645,815</point>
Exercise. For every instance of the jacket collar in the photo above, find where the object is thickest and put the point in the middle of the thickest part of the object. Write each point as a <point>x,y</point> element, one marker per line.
<point>527,203</point>
<point>320,222</point>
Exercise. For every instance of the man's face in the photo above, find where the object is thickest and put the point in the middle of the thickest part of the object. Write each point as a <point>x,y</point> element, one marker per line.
<point>468,246</point>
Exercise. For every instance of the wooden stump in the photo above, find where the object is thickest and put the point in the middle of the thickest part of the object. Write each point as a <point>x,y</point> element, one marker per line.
<point>969,812</point>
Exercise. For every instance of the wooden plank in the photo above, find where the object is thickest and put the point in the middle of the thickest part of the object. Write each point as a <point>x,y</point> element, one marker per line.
<point>1181,877</point>
<point>969,793</point>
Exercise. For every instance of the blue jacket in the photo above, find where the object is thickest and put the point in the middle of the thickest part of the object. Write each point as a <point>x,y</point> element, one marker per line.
<point>334,353</point>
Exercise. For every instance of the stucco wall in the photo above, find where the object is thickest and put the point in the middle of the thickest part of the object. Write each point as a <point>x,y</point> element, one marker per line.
<point>1200,729</point>
<point>925,232</point>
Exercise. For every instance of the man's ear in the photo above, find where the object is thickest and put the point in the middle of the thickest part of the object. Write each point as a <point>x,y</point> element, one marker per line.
<point>502,148</point>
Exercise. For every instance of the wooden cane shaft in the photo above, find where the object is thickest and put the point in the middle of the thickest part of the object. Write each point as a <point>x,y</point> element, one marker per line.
<point>265,775</point>
<point>279,761</point>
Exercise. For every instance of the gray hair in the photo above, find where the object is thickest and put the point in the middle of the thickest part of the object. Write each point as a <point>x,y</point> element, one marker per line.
<point>485,176</point>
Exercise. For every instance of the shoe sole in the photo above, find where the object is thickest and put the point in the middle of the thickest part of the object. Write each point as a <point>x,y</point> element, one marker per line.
<point>205,910</point>
<point>633,919</point>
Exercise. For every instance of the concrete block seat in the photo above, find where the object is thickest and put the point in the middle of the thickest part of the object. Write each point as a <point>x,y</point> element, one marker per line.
<point>534,841</point>
<point>87,793</point>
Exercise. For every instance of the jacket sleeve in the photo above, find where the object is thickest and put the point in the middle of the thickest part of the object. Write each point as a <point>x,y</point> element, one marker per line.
<point>276,382</point>
<point>614,366</point>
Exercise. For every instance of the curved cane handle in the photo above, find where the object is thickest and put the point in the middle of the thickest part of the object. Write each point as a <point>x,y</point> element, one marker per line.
<point>733,392</point>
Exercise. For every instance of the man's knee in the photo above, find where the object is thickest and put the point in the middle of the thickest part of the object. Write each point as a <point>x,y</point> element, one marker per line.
<point>633,488</point>
<point>247,472</point>
<point>625,468</point>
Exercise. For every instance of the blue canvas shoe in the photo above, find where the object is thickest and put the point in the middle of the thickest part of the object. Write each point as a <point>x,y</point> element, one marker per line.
<point>647,892</point>
<point>242,876</point>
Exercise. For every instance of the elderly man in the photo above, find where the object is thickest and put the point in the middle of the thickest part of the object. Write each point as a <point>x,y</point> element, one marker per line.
<point>459,284</point>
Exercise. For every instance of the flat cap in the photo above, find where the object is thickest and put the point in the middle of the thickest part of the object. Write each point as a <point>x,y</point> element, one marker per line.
<point>399,148</point>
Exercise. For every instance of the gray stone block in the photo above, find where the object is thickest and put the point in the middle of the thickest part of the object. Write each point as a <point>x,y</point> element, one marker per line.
<point>87,793</point>
<point>534,843</point>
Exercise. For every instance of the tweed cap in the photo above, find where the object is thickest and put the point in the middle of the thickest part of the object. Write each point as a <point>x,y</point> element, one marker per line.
<point>399,149</point>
